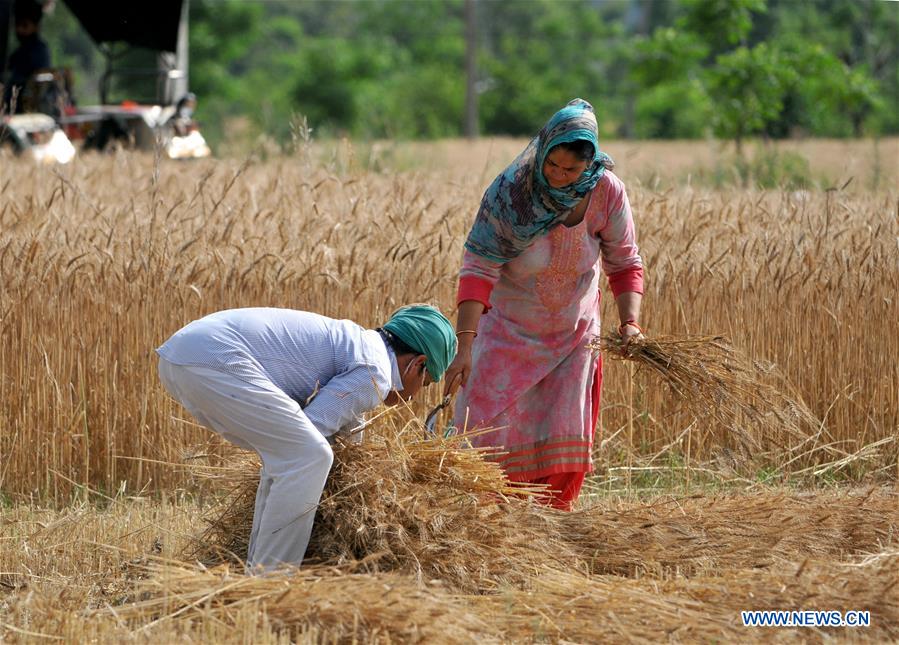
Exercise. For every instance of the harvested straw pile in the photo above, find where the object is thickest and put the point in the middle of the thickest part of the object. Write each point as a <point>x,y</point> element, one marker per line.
<point>700,534</point>
<point>422,540</point>
<point>435,509</point>
<point>566,606</point>
<point>227,536</point>
<point>431,508</point>
<point>339,605</point>
<point>561,605</point>
<point>718,384</point>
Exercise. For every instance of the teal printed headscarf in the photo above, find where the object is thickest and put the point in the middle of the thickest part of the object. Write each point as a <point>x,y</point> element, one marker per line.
<point>519,206</point>
<point>427,331</point>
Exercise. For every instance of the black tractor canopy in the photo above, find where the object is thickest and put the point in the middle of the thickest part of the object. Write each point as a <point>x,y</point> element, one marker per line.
<point>153,25</point>
<point>140,40</point>
<point>159,26</point>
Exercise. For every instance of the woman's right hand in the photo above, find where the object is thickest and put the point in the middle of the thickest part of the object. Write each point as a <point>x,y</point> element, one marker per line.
<point>469,317</point>
<point>456,375</point>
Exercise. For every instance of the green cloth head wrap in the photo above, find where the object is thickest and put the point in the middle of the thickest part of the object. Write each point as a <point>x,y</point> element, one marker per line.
<point>427,331</point>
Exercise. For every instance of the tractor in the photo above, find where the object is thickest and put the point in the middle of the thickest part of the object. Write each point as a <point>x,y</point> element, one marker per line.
<point>157,113</point>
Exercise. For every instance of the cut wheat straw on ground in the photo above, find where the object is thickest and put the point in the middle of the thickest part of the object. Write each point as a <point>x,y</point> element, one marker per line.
<point>437,509</point>
<point>420,540</point>
<point>408,521</point>
<point>561,605</point>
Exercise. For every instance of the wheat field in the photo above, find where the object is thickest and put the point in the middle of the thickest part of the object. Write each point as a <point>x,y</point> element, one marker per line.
<point>102,260</point>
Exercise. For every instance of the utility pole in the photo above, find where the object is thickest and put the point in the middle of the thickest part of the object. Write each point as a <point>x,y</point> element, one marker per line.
<point>173,66</point>
<point>471,71</point>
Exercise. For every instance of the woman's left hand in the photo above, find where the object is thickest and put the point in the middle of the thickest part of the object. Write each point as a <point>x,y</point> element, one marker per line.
<point>628,332</point>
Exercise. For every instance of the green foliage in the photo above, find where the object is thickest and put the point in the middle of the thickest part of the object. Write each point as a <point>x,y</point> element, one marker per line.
<point>768,168</point>
<point>222,33</point>
<point>329,77</point>
<point>673,102</point>
<point>71,47</point>
<point>771,168</point>
<point>849,72</point>
<point>720,24</point>
<point>396,68</point>
<point>677,110</point>
<point>217,62</point>
<point>761,73</point>
<point>823,95</point>
<point>538,55</point>
<point>668,54</point>
<point>399,109</point>
<point>747,87</point>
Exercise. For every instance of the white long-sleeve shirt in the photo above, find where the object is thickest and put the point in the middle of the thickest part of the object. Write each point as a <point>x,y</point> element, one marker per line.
<point>335,369</point>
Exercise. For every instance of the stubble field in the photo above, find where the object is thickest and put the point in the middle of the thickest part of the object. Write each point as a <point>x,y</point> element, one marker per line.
<point>103,479</point>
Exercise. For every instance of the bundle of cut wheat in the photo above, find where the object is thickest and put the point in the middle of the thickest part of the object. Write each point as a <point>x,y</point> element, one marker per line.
<point>433,508</point>
<point>719,384</point>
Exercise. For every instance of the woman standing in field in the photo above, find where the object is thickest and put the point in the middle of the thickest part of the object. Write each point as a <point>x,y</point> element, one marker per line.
<point>529,303</point>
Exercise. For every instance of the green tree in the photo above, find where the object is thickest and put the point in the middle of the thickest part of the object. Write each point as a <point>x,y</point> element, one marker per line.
<point>720,24</point>
<point>862,36</point>
<point>396,72</point>
<point>422,92</point>
<point>539,55</point>
<point>332,75</point>
<point>748,88</point>
<point>395,68</point>
<point>671,102</point>
<point>222,32</point>
<point>824,95</point>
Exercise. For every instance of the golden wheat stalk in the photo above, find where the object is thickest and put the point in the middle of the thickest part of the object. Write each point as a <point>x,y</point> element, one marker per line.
<point>719,384</point>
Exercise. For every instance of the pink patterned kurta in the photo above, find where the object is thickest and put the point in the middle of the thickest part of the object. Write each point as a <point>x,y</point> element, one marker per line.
<point>532,374</point>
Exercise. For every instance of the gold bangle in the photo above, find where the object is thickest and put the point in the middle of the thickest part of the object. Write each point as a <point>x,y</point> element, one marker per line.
<point>467,331</point>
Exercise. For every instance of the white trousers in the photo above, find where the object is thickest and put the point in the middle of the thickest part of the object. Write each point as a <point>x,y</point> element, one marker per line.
<point>296,458</point>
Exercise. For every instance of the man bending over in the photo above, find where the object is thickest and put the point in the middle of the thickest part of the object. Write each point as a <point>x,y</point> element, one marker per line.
<point>280,382</point>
